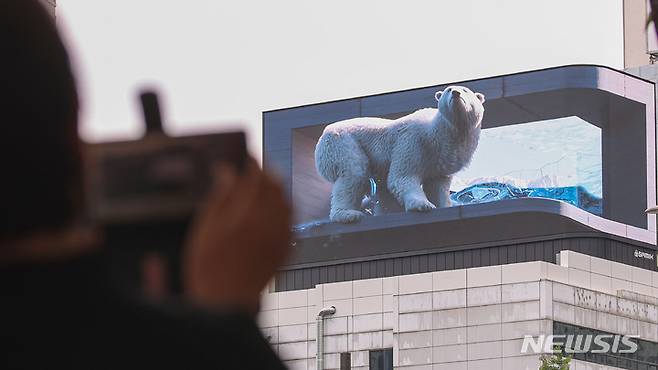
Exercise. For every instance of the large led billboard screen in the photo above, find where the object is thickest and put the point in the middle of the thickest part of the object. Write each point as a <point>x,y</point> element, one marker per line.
<point>537,154</point>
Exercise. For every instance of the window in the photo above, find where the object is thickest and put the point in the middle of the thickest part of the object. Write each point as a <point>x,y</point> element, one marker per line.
<point>381,359</point>
<point>645,358</point>
<point>345,361</point>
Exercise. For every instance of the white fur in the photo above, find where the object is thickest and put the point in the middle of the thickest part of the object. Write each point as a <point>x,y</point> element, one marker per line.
<point>417,154</point>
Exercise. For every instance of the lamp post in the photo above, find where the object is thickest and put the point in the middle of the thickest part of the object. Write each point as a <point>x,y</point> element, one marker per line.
<point>319,340</point>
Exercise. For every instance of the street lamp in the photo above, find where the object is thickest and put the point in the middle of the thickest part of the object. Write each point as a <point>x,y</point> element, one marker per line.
<point>652,210</point>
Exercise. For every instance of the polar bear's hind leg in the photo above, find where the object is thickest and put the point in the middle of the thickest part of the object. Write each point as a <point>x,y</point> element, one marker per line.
<point>346,197</point>
<point>349,164</point>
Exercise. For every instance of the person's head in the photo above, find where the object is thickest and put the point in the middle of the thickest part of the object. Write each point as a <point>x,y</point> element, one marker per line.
<point>40,162</point>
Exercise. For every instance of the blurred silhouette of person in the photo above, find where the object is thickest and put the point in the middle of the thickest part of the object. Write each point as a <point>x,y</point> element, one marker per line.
<point>58,308</point>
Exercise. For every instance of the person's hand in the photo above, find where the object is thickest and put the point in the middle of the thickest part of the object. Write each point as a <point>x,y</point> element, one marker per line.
<point>238,240</point>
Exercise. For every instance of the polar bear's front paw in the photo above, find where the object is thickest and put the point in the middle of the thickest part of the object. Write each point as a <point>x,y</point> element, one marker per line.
<point>418,205</point>
<point>346,216</point>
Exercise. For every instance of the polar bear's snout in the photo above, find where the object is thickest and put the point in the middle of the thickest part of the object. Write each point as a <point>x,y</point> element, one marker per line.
<point>461,105</point>
<point>455,93</point>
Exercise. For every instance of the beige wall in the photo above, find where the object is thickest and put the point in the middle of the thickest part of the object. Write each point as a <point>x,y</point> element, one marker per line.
<point>635,35</point>
<point>472,318</point>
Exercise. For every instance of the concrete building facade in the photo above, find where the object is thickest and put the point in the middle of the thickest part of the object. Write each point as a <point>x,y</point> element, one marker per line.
<point>473,318</point>
<point>636,51</point>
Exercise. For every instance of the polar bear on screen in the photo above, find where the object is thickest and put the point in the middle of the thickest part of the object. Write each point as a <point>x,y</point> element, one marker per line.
<point>417,154</point>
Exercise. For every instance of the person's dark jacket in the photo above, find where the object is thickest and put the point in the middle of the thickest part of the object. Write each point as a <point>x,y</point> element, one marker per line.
<point>66,315</point>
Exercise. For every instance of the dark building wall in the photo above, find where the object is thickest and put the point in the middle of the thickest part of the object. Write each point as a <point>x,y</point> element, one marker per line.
<point>610,248</point>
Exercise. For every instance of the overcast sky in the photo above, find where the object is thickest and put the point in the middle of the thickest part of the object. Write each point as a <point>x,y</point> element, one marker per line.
<point>219,64</point>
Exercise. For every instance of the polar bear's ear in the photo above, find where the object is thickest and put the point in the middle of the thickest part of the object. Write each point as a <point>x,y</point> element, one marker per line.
<point>480,97</point>
<point>438,94</point>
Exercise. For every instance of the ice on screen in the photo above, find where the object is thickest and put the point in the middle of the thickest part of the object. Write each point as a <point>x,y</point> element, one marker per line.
<point>557,159</point>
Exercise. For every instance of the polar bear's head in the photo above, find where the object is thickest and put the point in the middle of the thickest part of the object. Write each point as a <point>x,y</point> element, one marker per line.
<point>461,106</point>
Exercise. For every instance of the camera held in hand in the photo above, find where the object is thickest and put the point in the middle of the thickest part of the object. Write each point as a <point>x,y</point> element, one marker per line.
<point>145,192</point>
